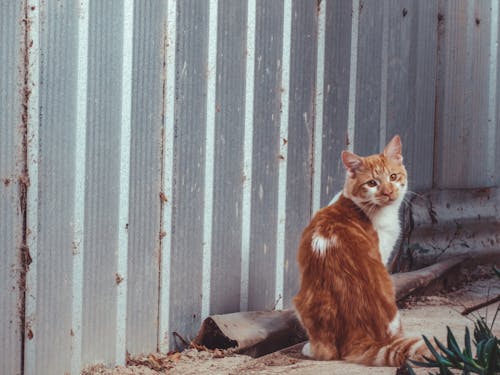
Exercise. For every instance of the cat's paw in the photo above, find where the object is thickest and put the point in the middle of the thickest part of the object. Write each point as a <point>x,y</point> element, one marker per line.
<point>306,350</point>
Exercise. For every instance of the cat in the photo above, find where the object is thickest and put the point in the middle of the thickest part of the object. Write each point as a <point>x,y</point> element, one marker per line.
<point>346,300</point>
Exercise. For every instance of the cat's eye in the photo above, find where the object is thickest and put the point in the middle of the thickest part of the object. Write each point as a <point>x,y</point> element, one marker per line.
<point>394,176</point>
<point>372,183</point>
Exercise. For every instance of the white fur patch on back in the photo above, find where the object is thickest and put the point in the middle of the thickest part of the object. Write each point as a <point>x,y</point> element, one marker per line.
<point>306,350</point>
<point>394,325</point>
<point>321,244</point>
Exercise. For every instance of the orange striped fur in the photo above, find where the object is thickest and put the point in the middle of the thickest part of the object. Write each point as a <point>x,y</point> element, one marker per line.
<point>346,300</point>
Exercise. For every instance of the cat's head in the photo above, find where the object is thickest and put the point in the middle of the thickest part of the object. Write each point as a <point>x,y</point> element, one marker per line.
<point>377,180</point>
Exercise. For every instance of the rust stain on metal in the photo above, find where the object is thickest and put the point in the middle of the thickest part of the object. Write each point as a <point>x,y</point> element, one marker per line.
<point>118,278</point>
<point>29,334</point>
<point>6,181</point>
<point>347,140</point>
<point>24,256</point>
<point>163,197</point>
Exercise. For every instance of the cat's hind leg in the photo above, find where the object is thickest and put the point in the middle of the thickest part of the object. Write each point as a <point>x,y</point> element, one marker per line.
<point>320,351</point>
<point>306,350</point>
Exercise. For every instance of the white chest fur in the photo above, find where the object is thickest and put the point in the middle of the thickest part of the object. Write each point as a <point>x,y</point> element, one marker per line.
<point>386,223</point>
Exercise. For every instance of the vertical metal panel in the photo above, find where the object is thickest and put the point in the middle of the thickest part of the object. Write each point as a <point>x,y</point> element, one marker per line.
<point>208,195</point>
<point>189,161</point>
<point>494,134</point>
<point>246,196</point>
<point>368,79</point>
<point>411,82</point>
<point>11,224</point>
<point>167,175</point>
<point>462,123</point>
<point>32,165</point>
<point>336,96</point>
<point>317,151</point>
<point>50,348</point>
<point>103,182</point>
<point>145,177</point>
<point>79,185</point>
<point>187,128</point>
<point>300,137</point>
<point>283,153</point>
<point>266,145</point>
<point>493,166</point>
<point>229,122</point>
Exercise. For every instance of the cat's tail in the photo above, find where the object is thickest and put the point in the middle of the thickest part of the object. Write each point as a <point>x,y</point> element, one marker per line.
<point>393,353</point>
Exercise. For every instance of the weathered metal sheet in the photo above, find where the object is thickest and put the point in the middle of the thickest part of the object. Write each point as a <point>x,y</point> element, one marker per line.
<point>189,161</point>
<point>145,177</point>
<point>300,136</point>
<point>369,77</point>
<point>228,177</point>
<point>335,92</point>
<point>494,98</point>
<point>11,224</point>
<point>49,350</point>
<point>177,149</point>
<point>102,190</point>
<point>462,122</point>
<point>410,88</point>
<point>266,154</point>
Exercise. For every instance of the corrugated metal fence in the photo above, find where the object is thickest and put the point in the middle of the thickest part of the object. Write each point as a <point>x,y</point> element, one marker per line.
<point>159,159</point>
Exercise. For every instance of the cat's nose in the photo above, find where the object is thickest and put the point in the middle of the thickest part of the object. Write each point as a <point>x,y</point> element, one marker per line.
<point>387,192</point>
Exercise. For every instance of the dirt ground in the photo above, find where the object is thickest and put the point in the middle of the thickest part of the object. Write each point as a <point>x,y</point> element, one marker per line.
<point>421,315</point>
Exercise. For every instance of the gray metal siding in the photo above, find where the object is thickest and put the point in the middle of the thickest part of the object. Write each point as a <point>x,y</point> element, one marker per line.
<point>411,86</point>
<point>145,177</point>
<point>228,171</point>
<point>462,127</point>
<point>266,144</point>
<point>178,148</point>
<point>368,78</point>
<point>52,325</point>
<point>335,93</point>
<point>102,181</point>
<point>11,224</point>
<point>189,161</point>
<point>300,135</point>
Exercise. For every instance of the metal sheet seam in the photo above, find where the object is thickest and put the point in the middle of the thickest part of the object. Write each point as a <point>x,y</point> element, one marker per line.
<point>32,194</point>
<point>79,186</point>
<point>492,104</point>
<point>167,175</point>
<point>209,159</point>
<point>246,200</point>
<point>384,75</point>
<point>123,215</point>
<point>318,108</point>
<point>282,160</point>
<point>353,72</point>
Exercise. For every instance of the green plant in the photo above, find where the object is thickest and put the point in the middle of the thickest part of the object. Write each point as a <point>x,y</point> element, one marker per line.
<point>485,361</point>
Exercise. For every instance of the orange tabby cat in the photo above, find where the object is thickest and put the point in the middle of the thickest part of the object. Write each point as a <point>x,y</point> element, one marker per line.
<point>346,300</point>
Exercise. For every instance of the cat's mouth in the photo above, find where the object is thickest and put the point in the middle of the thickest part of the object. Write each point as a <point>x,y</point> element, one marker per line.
<point>385,200</point>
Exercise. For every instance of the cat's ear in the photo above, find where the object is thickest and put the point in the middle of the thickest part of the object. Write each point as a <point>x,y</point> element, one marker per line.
<point>394,150</point>
<point>352,162</point>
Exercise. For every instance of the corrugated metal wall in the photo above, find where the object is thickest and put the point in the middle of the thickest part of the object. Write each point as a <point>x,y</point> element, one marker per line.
<point>11,168</point>
<point>176,149</point>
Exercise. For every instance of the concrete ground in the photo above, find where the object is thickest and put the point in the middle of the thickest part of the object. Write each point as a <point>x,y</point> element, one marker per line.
<point>423,315</point>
